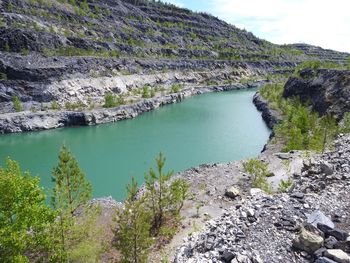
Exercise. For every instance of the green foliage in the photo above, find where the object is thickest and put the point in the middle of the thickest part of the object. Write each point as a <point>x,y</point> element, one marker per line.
<point>74,106</point>
<point>300,128</point>
<point>260,172</point>
<point>71,192</point>
<point>316,64</point>
<point>3,76</point>
<point>284,185</point>
<point>133,233</point>
<point>25,51</point>
<point>55,106</point>
<point>158,192</point>
<point>146,92</point>
<point>113,101</point>
<point>17,104</point>
<point>345,123</point>
<point>348,63</point>
<point>71,189</point>
<point>73,51</point>
<point>109,100</point>
<point>7,48</point>
<point>24,216</point>
<point>175,88</point>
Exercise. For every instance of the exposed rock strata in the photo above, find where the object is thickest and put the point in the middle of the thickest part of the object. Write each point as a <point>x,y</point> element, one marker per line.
<point>29,121</point>
<point>328,91</point>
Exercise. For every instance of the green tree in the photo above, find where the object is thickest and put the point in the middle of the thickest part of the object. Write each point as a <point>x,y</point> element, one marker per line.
<point>260,172</point>
<point>134,226</point>
<point>17,104</point>
<point>158,191</point>
<point>71,191</point>
<point>24,216</point>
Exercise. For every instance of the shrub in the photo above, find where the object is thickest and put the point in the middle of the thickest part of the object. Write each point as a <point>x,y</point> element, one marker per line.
<point>316,64</point>
<point>17,104</point>
<point>109,101</point>
<point>345,123</point>
<point>260,172</point>
<point>176,88</point>
<point>55,106</point>
<point>348,64</point>
<point>3,76</point>
<point>145,92</point>
<point>24,216</point>
<point>284,185</point>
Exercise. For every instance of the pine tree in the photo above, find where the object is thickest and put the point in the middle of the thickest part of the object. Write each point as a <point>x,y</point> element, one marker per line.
<point>71,191</point>
<point>158,191</point>
<point>133,231</point>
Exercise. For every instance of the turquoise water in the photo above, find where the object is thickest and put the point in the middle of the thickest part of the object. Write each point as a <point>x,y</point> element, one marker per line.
<point>216,127</point>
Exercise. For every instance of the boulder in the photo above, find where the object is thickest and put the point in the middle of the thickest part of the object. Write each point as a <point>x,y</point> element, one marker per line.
<point>326,168</point>
<point>308,241</point>
<point>317,217</point>
<point>233,192</point>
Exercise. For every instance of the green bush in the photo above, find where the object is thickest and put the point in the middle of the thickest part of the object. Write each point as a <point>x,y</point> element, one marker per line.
<point>348,64</point>
<point>3,76</point>
<point>300,129</point>
<point>24,216</point>
<point>316,64</point>
<point>55,106</point>
<point>146,92</point>
<point>109,101</point>
<point>345,123</point>
<point>260,172</point>
<point>17,104</point>
<point>175,88</point>
<point>284,185</point>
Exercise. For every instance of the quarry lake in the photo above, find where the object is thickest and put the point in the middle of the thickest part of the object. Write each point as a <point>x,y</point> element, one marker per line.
<point>210,128</point>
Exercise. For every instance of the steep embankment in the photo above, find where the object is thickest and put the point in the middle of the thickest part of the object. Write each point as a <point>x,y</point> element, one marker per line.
<point>328,91</point>
<point>63,57</point>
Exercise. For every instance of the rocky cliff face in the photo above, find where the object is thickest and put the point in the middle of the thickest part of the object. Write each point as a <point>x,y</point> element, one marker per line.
<point>67,55</point>
<point>328,91</point>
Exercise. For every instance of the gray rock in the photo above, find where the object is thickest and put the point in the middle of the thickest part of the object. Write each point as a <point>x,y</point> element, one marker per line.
<point>233,192</point>
<point>317,217</point>
<point>324,260</point>
<point>337,255</point>
<point>308,241</point>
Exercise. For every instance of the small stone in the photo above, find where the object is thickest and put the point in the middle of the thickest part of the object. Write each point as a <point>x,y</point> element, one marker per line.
<point>227,256</point>
<point>338,255</point>
<point>326,168</point>
<point>233,192</point>
<point>250,212</point>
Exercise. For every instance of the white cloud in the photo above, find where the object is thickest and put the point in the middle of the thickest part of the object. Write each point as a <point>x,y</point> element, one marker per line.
<point>175,2</point>
<point>318,22</point>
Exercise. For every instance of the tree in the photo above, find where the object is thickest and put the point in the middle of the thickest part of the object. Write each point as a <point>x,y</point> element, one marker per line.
<point>71,191</point>
<point>24,216</point>
<point>133,227</point>
<point>158,191</point>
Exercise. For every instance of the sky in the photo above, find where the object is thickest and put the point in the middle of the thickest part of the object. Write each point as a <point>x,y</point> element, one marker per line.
<point>324,23</point>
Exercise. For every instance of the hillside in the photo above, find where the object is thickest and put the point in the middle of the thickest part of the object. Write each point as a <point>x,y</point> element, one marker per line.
<point>64,55</point>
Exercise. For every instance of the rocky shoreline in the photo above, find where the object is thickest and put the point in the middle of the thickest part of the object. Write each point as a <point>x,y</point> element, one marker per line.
<point>262,228</point>
<point>29,121</point>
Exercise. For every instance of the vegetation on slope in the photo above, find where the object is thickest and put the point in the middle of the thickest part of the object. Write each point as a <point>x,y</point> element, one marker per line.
<point>67,231</point>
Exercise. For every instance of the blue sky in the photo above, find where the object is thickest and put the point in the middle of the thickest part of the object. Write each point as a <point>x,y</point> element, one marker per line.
<point>318,22</point>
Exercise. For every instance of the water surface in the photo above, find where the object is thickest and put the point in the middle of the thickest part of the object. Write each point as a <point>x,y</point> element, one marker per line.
<point>215,127</point>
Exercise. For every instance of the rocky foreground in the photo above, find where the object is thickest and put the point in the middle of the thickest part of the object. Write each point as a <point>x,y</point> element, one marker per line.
<point>310,223</point>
